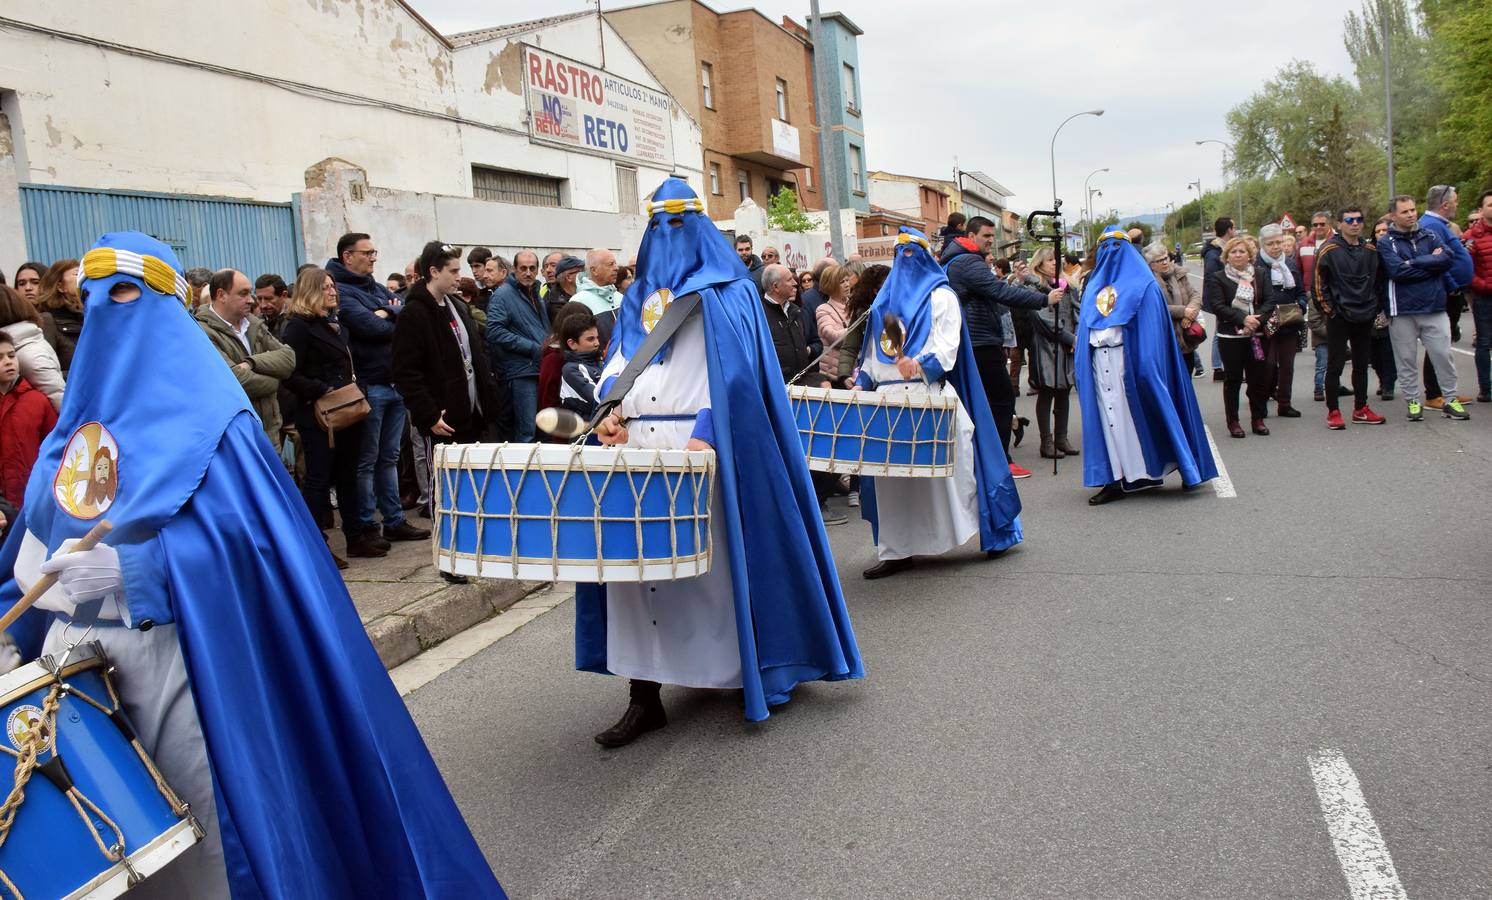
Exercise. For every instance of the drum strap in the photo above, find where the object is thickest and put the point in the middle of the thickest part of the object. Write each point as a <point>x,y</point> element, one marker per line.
<point>673,319</point>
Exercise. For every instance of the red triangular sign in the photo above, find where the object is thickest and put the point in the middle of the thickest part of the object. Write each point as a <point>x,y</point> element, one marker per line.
<point>1287,223</point>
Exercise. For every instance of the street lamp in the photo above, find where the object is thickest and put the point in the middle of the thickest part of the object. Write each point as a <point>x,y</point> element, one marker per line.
<point>1201,217</point>
<point>1089,112</point>
<point>1092,192</point>
<point>1238,188</point>
<point>1088,194</point>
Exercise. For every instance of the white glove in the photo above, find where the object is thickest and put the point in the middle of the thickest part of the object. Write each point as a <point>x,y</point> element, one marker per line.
<point>86,576</point>
<point>10,655</point>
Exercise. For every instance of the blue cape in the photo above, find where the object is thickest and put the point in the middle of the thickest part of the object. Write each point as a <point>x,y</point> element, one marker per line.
<point>791,617</point>
<point>999,503</point>
<point>1157,381</point>
<point>324,786</point>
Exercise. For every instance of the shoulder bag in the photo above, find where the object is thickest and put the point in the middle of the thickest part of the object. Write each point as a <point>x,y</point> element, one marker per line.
<point>341,407</point>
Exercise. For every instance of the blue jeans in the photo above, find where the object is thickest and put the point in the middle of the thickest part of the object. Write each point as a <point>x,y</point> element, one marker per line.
<point>525,393</point>
<point>1481,349</point>
<point>1321,367</point>
<point>378,464</point>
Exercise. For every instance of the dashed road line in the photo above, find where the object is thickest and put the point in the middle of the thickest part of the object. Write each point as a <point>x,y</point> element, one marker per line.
<point>1361,852</point>
<point>1222,483</point>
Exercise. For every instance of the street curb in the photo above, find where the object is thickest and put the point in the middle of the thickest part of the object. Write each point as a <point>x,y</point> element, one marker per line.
<point>443,613</point>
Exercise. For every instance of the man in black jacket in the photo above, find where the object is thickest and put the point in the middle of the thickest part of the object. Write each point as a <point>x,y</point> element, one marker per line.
<point>785,321</point>
<point>980,293</point>
<point>1349,291</point>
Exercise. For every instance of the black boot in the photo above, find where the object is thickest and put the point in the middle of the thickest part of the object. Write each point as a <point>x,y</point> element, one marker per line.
<point>644,713</point>
<point>888,567</point>
<point>1107,494</point>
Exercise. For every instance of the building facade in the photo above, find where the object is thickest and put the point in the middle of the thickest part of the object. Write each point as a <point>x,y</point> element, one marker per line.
<point>745,79</point>
<point>842,104</point>
<point>301,121</point>
<point>927,200</point>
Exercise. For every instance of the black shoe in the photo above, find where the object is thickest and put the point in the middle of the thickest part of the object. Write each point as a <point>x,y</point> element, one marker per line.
<point>1018,433</point>
<point>644,713</point>
<point>888,567</point>
<point>995,554</point>
<point>1107,494</point>
<point>341,563</point>
<point>1385,394</point>
<point>1320,395</point>
<point>1484,397</point>
<point>1217,374</point>
<point>365,548</point>
<point>373,535</point>
<point>405,532</point>
<point>1289,412</point>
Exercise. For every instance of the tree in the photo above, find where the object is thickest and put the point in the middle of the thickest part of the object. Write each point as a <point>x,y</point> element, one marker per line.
<point>784,213</point>
<point>1462,71</point>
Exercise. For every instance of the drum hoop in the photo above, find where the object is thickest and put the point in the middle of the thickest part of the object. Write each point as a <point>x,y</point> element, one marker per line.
<point>87,656</point>
<point>695,471</point>
<point>873,398</point>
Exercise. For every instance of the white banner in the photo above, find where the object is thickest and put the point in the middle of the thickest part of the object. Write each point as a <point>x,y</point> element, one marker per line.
<point>573,104</point>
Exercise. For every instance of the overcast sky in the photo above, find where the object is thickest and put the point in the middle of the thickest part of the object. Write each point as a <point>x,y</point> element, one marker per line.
<point>989,87</point>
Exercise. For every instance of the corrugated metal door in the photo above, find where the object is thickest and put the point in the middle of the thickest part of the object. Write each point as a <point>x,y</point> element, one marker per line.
<point>63,222</point>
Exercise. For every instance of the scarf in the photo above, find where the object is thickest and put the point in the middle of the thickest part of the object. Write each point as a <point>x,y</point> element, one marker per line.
<point>1244,278</point>
<point>1279,273</point>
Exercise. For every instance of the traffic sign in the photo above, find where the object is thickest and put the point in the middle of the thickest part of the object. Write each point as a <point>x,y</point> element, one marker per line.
<point>1287,223</point>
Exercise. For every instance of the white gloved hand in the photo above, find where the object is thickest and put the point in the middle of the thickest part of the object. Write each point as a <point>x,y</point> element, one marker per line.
<point>10,654</point>
<point>90,575</point>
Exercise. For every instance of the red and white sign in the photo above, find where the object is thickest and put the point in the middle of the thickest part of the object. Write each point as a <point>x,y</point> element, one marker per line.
<point>1287,223</point>
<point>575,105</point>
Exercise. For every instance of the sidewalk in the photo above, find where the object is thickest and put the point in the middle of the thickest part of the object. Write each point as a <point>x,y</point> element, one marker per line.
<point>407,608</point>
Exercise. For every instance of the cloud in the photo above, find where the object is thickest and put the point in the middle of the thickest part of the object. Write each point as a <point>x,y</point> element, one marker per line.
<point>987,82</point>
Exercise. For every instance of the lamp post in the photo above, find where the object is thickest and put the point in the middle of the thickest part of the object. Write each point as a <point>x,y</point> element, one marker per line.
<point>1238,188</point>
<point>1092,192</point>
<point>1056,205</point>
<point>1201,216</point>
<point>1088,195</point>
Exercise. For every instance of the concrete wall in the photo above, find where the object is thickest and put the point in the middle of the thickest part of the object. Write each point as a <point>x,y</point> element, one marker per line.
<point>12,236</point>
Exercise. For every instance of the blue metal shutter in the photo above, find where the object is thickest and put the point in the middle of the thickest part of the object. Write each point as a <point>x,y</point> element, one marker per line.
<point>63,222</point>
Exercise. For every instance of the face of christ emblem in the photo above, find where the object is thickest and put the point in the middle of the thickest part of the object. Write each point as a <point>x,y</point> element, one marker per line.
<point>1106,299</point>
<point>654,307</point>
<point>891,336</point>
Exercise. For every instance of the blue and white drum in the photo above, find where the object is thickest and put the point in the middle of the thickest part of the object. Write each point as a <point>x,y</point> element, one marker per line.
<point>886,434</point>
<point>95,816</point>
<point>562,512</point>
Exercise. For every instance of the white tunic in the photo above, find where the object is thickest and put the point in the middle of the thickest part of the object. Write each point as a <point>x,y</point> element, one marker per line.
<point>929,516</point>
<point>155,694</point>
<point>1126,458</point>
<point>676,632</point>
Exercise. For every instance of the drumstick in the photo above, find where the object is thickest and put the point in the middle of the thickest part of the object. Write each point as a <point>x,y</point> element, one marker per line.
<point>563,423</point>
<point>827,350</point>
<point>45,582</point>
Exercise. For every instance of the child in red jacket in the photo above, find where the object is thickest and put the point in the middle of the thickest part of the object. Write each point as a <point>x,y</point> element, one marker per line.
<point>26,417</point>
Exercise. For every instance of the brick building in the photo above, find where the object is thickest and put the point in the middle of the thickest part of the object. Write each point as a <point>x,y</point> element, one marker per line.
<point>928,200</point>
<point>746,80</point>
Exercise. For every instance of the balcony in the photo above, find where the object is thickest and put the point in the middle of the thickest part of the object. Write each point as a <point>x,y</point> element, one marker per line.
<point>777,145</point>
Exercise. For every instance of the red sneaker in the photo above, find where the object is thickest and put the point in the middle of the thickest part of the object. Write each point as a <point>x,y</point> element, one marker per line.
<point>1364,415</point>
<point>1334,420</point>
<point>1019,472</point>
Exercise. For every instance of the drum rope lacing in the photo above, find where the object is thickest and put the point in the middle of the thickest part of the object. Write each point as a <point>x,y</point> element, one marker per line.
<point>922,412</point>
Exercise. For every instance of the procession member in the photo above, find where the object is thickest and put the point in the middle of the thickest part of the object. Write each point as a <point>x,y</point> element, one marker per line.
<point>928,352</point>
<point>1140,417</point>
<point>769,613</point>
<point>244,668</point>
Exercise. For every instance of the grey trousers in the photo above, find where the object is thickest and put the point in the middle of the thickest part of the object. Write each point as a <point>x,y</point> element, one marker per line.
<point>420,446</point>
<point>1434,331</point>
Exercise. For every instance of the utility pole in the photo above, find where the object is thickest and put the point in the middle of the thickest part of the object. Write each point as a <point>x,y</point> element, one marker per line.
<point>1388,93</point>
<point>835,188</point>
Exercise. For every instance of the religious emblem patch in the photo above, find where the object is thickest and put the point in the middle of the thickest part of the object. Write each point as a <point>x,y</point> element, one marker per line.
<point>22,723</point>
<point>1106,299</point>
<point>88,478</point>
<point>654,307</point>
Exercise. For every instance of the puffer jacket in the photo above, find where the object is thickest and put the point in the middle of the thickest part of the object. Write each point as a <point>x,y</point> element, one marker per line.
<point>981,294</point>
<point>517,323</point>
<point>1478,240</point>
<point>39,363</point>
<point>26,418</point>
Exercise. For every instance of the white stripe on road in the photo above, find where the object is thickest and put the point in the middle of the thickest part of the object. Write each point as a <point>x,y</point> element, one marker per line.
<point>1222,483</point>
<point>1360,849</point>
<point>1467,352</point>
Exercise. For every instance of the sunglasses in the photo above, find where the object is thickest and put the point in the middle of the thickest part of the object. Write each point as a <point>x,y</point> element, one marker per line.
<point>1351,220</point>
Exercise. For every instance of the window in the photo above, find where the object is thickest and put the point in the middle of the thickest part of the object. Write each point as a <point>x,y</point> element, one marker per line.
<point>851,101</point>
<point>707,83</point>
<point>628,201</point>
<point>808,178</point>
<point>857,173</point>
<point>514,187</point>
<point>885,230</point>
<point>782,99</point>
<point>715,179</point>
<point>743,181</point>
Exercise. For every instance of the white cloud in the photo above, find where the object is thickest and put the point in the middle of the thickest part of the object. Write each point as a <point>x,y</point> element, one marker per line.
<point>987,82</point>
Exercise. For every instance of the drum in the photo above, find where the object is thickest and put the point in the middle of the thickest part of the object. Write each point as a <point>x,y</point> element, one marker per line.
<point>558,512</point>
<point>889,434</point>
<point>95,816</point>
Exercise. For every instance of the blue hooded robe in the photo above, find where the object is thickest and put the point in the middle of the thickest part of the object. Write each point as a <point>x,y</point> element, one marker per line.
<point>791,619</point>
<point>1157,381</point>
<point>907,294</point>
<point>324,787</point>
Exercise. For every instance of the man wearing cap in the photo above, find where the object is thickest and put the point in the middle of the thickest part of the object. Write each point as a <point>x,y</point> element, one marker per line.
<point>566,271</point>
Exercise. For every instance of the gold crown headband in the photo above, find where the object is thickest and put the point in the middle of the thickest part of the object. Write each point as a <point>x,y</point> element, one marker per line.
<point>161,276</point>
<point>905,238</point>
<point>676,206</point>
<point>1114,236</point>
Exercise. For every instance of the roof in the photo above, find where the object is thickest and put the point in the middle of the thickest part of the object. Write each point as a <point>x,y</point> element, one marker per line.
<point>482,35</point>
<point>414,14</point>
<point>997,191</point>
<point>844,21</point>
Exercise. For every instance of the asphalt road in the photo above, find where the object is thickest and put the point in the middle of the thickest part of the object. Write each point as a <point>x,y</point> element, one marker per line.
<point>1153,699</point>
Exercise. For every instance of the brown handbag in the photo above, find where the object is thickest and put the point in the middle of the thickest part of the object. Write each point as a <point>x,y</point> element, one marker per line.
<point>341,407</point>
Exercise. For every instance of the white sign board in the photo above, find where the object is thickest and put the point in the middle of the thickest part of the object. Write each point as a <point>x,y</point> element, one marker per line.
<point>574,105</point>
<point>800,250</point>
<point>785,141</point>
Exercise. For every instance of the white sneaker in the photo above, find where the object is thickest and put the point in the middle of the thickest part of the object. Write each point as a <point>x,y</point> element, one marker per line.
<point>854,498</point>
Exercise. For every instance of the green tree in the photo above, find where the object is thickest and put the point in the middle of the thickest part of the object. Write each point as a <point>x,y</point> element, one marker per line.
<point>784,213</point>
<point>1461,70</point>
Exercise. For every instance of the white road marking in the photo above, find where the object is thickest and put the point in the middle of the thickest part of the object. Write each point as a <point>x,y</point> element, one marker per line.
<point>1466,352</point>
<point>1360,849</point>
<point>1222,483</point>
<point>413,674</point>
